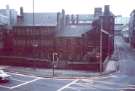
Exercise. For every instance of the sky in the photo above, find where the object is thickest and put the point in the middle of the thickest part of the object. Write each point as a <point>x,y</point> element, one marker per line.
<point>118,7</point>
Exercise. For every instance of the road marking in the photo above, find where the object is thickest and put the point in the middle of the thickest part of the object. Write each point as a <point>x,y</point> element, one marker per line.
<point>23,75</point>
<point>24,83</point>
<point>131,85</point>
<point>66,86</point>
<point>103,77</point>
<point>112,88</point>
<point>91,83</point>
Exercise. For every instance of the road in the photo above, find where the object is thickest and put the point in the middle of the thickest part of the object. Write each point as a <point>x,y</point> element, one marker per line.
<point>122,80</point>
<point>20,82</point>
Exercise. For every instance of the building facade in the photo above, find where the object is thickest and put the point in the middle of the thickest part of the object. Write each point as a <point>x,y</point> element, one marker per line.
<point>74,39</point>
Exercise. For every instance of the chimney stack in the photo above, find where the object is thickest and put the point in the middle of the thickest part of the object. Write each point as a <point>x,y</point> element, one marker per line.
<point>97,12</point>
<point>63,20</point>
<point>72,19</point>
<point>63,12</point>
<point>67,19</point>
<point>21,11</point>
<point>58,21</point>
<point>8,14</point>
<point>77,19</point>
<point>106,10</point>
<point>7,6</point>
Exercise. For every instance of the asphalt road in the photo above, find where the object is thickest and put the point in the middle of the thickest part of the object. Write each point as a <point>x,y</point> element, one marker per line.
<point>20,82</point>
<point>112,82</point>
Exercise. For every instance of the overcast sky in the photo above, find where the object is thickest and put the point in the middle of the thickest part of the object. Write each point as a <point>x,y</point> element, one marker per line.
<point>118,7</point>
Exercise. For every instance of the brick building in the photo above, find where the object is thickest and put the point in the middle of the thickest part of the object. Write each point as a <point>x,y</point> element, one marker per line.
<point>73,37</point>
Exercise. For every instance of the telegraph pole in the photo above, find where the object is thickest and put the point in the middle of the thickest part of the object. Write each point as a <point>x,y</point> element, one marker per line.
<point>33,45</point>
<point>101,47</point>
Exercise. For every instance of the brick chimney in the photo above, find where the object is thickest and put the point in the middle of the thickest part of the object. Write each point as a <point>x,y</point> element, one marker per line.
<point>67,19</point>
<point>72,19</point>
<point>97,12</point>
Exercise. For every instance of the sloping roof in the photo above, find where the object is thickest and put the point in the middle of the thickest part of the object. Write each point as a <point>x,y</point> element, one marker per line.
<point>74,31</point>
<point>40,19</point>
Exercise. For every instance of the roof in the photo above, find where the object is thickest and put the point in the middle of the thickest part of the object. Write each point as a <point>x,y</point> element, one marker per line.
<point>86,17</point>
<point>40,19</point>
<point>3,19</point>
<point>74,31</point>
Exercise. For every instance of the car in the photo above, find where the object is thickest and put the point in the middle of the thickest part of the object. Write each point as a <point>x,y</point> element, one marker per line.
<point>4,77</point>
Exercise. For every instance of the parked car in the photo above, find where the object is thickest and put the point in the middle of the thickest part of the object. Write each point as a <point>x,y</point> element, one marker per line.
<point>4,77</point>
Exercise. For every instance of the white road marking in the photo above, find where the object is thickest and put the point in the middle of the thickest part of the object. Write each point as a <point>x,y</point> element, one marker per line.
<point>112,88</point>
<point>66,86</point>
<point>102,77</point>
<point>24,75</point>
<point>24,83</point>
<point>110,83</point>
<point>131,85</point>
<point>108,76</point>
<point>90,83</point>
<point>84,85</point>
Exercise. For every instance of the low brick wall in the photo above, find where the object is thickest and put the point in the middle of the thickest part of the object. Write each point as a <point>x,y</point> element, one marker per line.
<point>24,62</point>
<point>40,63</point>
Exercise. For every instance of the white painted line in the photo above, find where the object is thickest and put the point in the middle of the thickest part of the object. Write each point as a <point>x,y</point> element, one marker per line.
<point>101,77</point>
<point>4,86</point>
<point>110,88</point>
<point>24,83</point>
<point>111,83</point>
<point>105,77</point>
<point>23,75</point>
<point>81,89</point>
<point>85,85</point>
<point>131,85</point>
<point>66,86</point>
<point>107,83</point>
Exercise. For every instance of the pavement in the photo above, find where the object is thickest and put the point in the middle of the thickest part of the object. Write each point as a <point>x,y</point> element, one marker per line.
<point>48,73</point>
<point>121,76</point>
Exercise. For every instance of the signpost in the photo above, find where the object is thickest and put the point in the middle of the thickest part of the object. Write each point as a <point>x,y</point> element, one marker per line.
<point>54,61</point>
